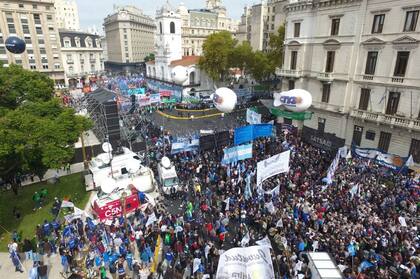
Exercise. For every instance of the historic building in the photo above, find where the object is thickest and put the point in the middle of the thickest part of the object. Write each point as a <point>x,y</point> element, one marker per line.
<point>82,56</point>
<point>67,14</point>
<point>35,23</point>
<point>359,60</point>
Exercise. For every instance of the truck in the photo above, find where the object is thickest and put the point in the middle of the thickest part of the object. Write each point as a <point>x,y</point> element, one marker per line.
<point>168,177</point>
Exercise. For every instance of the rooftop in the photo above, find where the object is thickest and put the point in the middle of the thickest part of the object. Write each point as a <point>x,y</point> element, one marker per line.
<point>186,61</point>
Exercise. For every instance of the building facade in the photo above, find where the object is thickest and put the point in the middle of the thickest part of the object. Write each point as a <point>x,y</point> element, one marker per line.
<point>259,21</point>
<point>67,14</point>
<point>82,56</point>
<point>33,21</point>
<point>130,37</point>
<point>358,60</point>
<point>197,24</point>
<point>169,54</point>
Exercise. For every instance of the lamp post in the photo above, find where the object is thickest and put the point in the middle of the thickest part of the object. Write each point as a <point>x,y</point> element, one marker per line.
<point>123,201</point>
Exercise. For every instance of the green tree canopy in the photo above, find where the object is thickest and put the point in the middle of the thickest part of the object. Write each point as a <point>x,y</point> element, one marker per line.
<point>36,131</point>
<point>217,50</point>
<point>149,57</point>
<point>276,47</point>
<point>242,56</point>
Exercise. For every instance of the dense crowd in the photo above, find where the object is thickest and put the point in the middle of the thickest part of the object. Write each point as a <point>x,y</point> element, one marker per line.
<point>367,219</point>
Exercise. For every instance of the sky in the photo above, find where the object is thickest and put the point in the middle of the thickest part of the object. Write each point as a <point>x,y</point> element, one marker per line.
<point>93,12</point>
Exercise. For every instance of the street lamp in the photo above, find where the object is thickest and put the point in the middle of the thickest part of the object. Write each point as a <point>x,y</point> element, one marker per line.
<point>123,200</point>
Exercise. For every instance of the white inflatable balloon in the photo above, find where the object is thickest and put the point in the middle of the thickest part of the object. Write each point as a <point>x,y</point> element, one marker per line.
<point>179,74</point>
<point>296,100</point>
<point>224,99</point>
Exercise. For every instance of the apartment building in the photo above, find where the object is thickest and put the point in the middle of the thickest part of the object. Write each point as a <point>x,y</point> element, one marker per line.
<point>33,21</point>
<point>197,24</point>
<point>259,21</point>
<point>358,59</point>
<point>130,37</point>
<point>82,56</point>
<point>67,14</point>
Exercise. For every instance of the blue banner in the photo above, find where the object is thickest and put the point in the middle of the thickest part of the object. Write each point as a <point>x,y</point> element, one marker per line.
<point>391,161</point>
<point>251,132</point>
<point>184,144</point>
<point>136,91</point>
<point>237,153</point>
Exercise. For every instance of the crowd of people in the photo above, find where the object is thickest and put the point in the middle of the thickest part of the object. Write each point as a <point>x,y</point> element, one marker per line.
<point>367,219</point>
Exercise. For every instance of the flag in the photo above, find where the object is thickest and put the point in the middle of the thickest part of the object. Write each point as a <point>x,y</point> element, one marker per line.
<point>264,242</point>
<point>352,250</point>
<point>383,98</point>
<point>227,204</point>
<point>409,162</point>
<point>196,264</point>
<point>65,203</point>
<point>151,220</point>
<point>348,157</point>
<point>245,240</point>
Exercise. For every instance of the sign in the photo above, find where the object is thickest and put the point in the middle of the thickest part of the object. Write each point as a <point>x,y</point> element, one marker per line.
<point>251,132</point>
<point>326,141</point>
<point>154,98</point>
<point>184,144</point>
<point>272,166</point>
<point>136,91</point>
<point>114,209</point>
<point>304,115</point>
<point>252,117</point>
<point>250,262</point>
<point>237,153</point>
<point>391,161</point>
<point>144,101</point>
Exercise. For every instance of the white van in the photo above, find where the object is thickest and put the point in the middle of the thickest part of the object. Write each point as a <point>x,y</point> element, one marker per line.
<point>168,177</point>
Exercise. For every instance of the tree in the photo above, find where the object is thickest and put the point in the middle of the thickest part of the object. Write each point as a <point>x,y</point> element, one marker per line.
<point>216,59</point>
<point>36,132</point>
<point>276,47</point>
<point>242,56</point>
<point>261,67</point>
<point>150,57</point>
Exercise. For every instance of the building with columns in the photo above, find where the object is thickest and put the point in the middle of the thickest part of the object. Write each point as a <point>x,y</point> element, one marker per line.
<point>197,24</point>
<point>359,61</point>
<point>82,56</point>
<point>33,21</point>
<point>259,21</point>
<point>169,54</point>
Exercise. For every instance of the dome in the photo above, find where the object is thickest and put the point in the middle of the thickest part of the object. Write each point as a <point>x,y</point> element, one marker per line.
<point>182,9</point>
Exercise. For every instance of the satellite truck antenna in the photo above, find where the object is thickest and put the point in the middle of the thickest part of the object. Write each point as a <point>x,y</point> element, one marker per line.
<point>107,148</point>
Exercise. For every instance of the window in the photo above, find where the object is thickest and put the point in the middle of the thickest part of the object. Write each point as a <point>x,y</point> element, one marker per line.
<point>370,135</point>
<point>335,26</point>
<point>25,29</point>
<point>378,23</point>
<point>42,50</point>
<point>67,43</point>
<point>384,140</point>
<point>357,135</point>
<point>329,67</point>
<point>12,29</point>
<point>372,57</point>
<point>272,26</point>
<point>297,30</point>
<point>71,69</point>
<point>21,6</point>
<point>33,67</point>
<point>38,30</point>
<point>326,89</point>
<point>401,63</point>
<point>393,102</point>
<point>415,150</point>
<point>293,60</point>
<point>41,41</point>
<point>49,17</point>
<point>34,6</point>
<point>172,27</point>
<point>45,66</point>
<point>364,99</point>
<point>291,84</point>
<point>37,19</point>
<point>321,125</point>
<point>51,28</point>
<point>411,21</point>
<point>3,50</point>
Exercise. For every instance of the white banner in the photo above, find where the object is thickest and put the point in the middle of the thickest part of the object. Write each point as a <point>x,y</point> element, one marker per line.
<point>264,242</point>
<point>253,117</point>
<point>274,165</point>
<point>250,262</point>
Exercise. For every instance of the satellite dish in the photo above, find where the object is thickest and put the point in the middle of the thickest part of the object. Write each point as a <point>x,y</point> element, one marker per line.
<point>104,158</point>
<point>15,45</point>
<point>108,185</point>
<point>107,147</point>
<point>166,163</point>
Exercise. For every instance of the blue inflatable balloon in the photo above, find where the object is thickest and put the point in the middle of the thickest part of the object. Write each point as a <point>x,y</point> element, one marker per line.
<point>15,45</point>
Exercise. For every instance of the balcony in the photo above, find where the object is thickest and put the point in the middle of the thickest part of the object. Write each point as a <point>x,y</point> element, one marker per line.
<point>70,61</point>
<point>392,80</point>
<point>92,60</point>
<point>391,120</point>
<point>326,77</point>
<point>288,73</point>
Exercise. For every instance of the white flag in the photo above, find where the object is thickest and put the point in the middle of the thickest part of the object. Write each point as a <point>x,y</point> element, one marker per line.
<point>264,242</point>
<point>348,157</point>
<point>196,264</point>
<point>65,203</point>
<point>227,204</point>
<point>245,240</point>
<point>410,161</point>
<point>151,220</point>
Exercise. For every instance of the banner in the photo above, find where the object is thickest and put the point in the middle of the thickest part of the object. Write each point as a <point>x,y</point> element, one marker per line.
<point>272,166</point>
<point>154,98</point>
<point>250,262</point>
<point>136,91</point>
<point>144,101</point>
<point>184,144</point>
<point>252,117</point>
<point>251,132</point>
<point>237,153</point>
<point>326,141</point>
<point>341,153</point>
<point>391,161</point>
